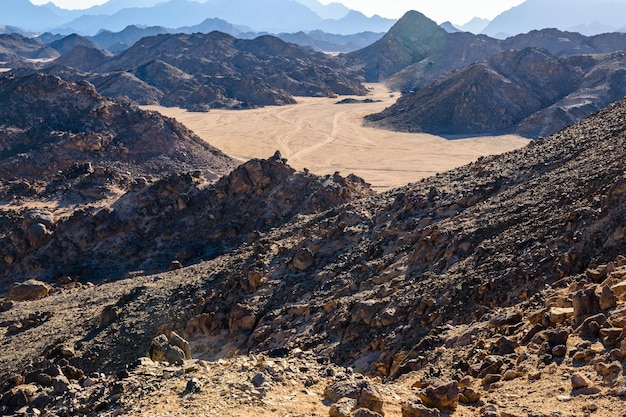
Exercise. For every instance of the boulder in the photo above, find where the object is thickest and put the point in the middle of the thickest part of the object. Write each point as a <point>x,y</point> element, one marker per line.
<point>161,350</point>
<point>343,407</point>
<point>176,340</point>
<point>417,409</point>
<point>443,396</point>
<point>364,392</point>
<point>579,381</point>
<point>585,303</point>
<point>303,259</point>
<point>608,299</point>
<point>28,291</point>
<point>365,412</point>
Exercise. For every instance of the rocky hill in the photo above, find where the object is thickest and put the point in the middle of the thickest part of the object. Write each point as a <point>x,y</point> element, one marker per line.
<point>222,71</point>
<point>413,38</point>
<point>528,91</point>
<point>15,47</point>
<point>493,289</point>
<point>67,43</point>
<point>416,51</point>
<point>67,137</point>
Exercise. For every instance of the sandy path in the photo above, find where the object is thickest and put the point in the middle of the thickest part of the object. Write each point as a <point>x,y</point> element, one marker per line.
<point>326,137</point>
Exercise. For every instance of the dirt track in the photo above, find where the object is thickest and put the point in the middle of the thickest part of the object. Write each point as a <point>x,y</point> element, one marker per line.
<point>326,137</point>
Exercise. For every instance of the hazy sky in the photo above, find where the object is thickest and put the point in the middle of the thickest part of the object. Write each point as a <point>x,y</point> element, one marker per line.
<point>456,11</point>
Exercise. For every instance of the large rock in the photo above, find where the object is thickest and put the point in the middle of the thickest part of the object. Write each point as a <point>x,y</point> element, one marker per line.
<point>416,409</point>
<point>364,392</point>
<point>162,350</point>
<point>28,291</point>
<point>443,396</point>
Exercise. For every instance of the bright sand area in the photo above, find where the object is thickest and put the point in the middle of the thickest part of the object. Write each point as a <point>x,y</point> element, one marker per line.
<point>326,137</point>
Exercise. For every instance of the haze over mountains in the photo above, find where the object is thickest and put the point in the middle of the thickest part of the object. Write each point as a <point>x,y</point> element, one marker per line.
<point>588,17</point>
<point>271,15</point>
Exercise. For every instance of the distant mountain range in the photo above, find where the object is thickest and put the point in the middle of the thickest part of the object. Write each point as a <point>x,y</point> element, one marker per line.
<point>588,17</point>
<point>274,16</point>
<point>222,71</point>
<point>455,82</point>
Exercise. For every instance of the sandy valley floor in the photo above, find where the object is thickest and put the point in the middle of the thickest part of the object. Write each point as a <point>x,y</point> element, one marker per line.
<point>326,137</point>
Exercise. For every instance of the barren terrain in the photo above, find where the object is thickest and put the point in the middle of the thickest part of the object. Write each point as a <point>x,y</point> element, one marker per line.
<point>326,137</point>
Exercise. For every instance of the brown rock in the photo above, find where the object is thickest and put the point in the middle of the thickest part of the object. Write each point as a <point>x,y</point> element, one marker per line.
<point>619,290</point>
<point>590,326</point>
<point>608,299</point>
<point>303,259</point>
<point>364,392</point>
<point>560,314</point>
<point>28,291</point>
<point>468,395</point>
<point>442,396</point>
<point>505,346</point>
<point>162,351</point>
<point>176,340</point>
<point>506,319</point>
<point>416,409</point>
<point>579,381</point>
<point>609,369</point>
<point>611,335</point>
<point>366,412</point>
<point>343,407</point>
<point>585,303</point>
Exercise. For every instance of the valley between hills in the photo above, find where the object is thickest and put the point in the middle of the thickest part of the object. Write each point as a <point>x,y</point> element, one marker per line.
<point>324,135</point>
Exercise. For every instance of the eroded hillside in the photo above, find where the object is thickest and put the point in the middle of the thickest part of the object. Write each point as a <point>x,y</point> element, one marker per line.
<point>503,276</point>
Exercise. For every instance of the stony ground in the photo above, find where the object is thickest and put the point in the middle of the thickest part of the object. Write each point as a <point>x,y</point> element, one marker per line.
<point>496,289</point>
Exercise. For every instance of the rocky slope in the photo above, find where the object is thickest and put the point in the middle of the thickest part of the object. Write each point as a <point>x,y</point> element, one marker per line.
<point>15,48</point>
<point>493,289</point>
<point>221,72</point>
<point>528,92</point>
<point>56,135</point>
<point>416,51</point>
<point>466,83</point>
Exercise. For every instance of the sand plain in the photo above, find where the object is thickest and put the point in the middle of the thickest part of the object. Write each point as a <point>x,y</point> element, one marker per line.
<point>326,137</point>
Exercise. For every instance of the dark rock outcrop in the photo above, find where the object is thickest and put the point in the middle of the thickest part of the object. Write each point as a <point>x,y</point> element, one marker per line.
<point>64,132</point>
<point>221,72</point>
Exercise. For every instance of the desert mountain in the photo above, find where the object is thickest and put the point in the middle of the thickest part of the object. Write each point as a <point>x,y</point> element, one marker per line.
<point>416,51</point>
<point>464,286</point>
<point>221,72</point>
<point>273,16</point>
<point>24,14</point>
<point>67,43</point>
<point>62,133</point>
<point>589,17</point>
<point>413,38</point>
<point>476,25</point>
<point>15,47</point>
<point>528,91</point>
<point>461,83</point>
<point>316,40</point>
